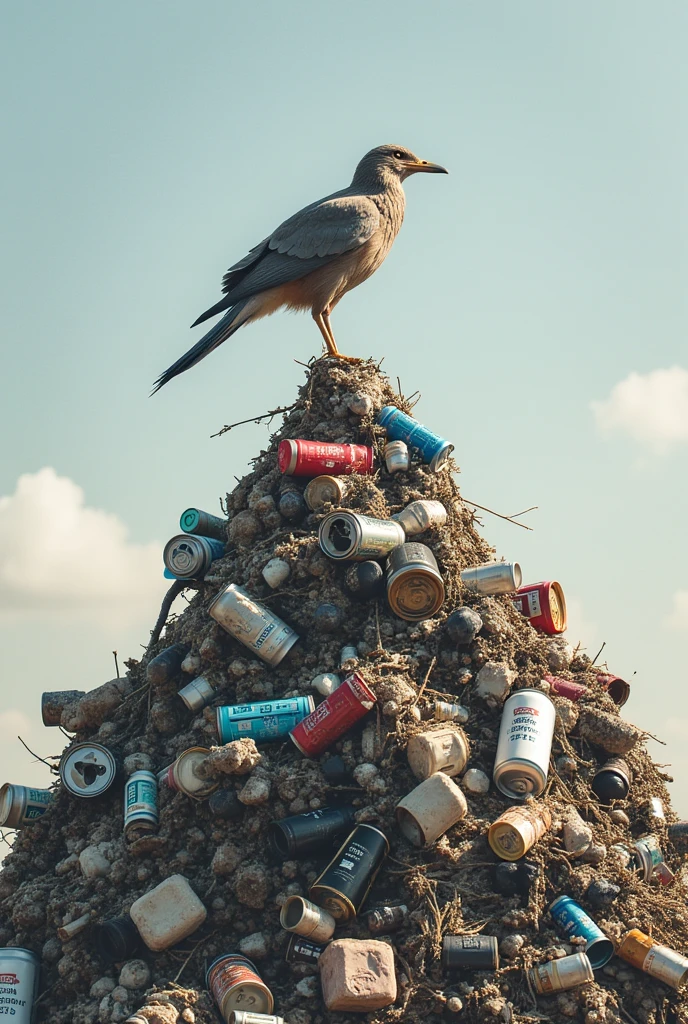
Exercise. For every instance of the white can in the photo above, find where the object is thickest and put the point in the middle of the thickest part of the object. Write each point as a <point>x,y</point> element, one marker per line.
<point>430,809</point>
<point>19,977</point>
<point>492,578</point>
<point>525,743</point>
<point>252,625</point>
<point>420,516</point>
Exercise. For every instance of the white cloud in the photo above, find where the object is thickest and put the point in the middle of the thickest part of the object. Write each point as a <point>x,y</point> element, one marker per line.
<point>679,615</point>
<point>58,555</point>
<point>651,408</point>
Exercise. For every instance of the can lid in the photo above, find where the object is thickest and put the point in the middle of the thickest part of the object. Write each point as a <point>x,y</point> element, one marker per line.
<point>287,454</point>
<point>439,459</point>
<point>189,519</point>
<point>88,769</point>
<point>506,841</point>
<point>557,606</point>
<point>6,801</point>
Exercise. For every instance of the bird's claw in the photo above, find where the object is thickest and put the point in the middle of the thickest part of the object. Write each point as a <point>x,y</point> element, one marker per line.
<point>347,359</point>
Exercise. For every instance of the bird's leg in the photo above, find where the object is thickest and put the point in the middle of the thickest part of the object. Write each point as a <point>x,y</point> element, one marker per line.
<point>334,351</point>
<point>328,339</point>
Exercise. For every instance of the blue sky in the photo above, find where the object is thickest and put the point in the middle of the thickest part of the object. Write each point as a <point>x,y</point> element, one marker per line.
<point>149,146</point>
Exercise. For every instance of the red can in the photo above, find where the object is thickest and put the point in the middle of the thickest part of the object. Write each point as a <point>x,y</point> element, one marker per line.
<point>566,688</point>
<point>617,688</point>
<point>544,605</point>
<point>315,458</point>
<point>331,719</point>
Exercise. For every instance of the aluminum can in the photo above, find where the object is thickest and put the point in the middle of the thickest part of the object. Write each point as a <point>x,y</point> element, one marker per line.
<point>117,939</point>
<point>22,805</point>
<point>426,813</point>
<point>235,984</point>
<point>88,769</point>
<point>343,886</point>
<point>315,458</point>
<point>203,524</point>
<point>492,578</point>
<point>19,978</point>
<point>253,625</point>
<point>400,427</point>
<point>445,712</point>
<point>566,688</point>
<point>649,855</point>
<point>335,716</point>
<point>559,975</point>
<point>246,1017</point>
<point>348,536</point>
<point>181,778</point>
<point>303,917</point>
<point>470,952</point>
<point>141,802</point>
<point>612,781</point>
<point>415,589</point>
<point>659,962</point>
<point>573,920</point>
<point>303,833</point>
<point>617,688</point>
<point>197,694</point>
<point>439,750</point>
<point>517,829</point>
<point>544,604</point>
<point>53,704</point>
<point>264,721</point>
<point>420,516</point>
<point>397,457</point>
<point>678,834</point>
<point>348,654</point>
<point>302,951</point>
<point>524,745</point>
<point>188,557</point>
<point>386,919</point>
<point>323,490</point>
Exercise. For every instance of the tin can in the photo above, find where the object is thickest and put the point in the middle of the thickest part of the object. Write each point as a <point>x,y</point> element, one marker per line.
<point>492,578</point>
<point>573,920</point>
<point>400,427</point>
<point>189,557</point>
<point>420,516</point>
<point>439,750</point>
<point>253,625</point>
<point>303,833</point>
<point>470,953</point>
<point>20,971</point>
<point>235,984</point>
<point>445,712</point>
<point>559,975</point>
<point>88,769</point>
<point>202,524</point>
<point>302,951</point>
<point>197,694</point>
<point>678,834</point>
<point>612,781</point>
<point>524,745</point>
<point>335,716</point>
<point>617,688</point>
<point>344,885</point>
<point>659,962</point>
<point>364,580</point>
<point>566,688</point>
<point>117,939</point>
<point>544,604</point>
<point>180,776</point>
<point>415,589</point>
<point>397,458</point>
<point>348,654</point>
<point>166,665</point>
<point>323,490</point>
<point>264,721</point>
<point>54,703</point>
<point>314,458</point>
<point>649,855</point>
<point>518,829</point>
<point>348,536</point>
<point>426,813</point>
<point>303,917</point>
<point>22,805</point>
<point>386,919</point>
<point>141,802</point>
<point>246,1017</point>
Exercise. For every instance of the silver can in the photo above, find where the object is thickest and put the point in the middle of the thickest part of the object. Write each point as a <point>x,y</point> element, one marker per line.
<point>348,536</point>
<point>253,625</point>
<point>88,769</point>
<point>559,975</point>
<point>306,919</point>
<point>22,805</point>
<point>197,694</point>
<point>141,802</point>
<point>492,578</point>
<point>524,745</point>
<point>188,557</point>
<point>445,712</point>
<point>19,977</point>
<point>420,516</point>
<point>323,490</point>
<point>397,457</point>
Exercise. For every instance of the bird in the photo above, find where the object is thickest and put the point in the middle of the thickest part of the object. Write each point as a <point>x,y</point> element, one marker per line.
<point>316,256</point>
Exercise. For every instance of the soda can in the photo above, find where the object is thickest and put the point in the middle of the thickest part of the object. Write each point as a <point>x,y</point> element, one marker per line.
<point>566,688</point>
<point>397,457</point>
<point>202,524</point>
<point>415,589</point>
<point>518,829</point>
<point>246,1017</point>
<point>617,688</point>
<point>445,712</point>
<point>659,962</point>
<point>544,604</point>
<point>235,984</point>
<point>323,490</point>
<point>141,802</point>
<point>612,781</point>
<point>87,769</point>
<point>264,721</point>
<point>197,694</point>
<point>401,427</point>
<point>302,951</point>
<point>20,971</point>
<point>343,886</point>
<point>420,516</point>
<point>426,813</point>
<point>438,750</point>
<point>335,716</point>
<point>470,953</point>
<point>573,920</point>
<point>678,834</point>
<point>304,918</point>
<point>649,855</point>
<point>180,776</point>
<point>53,704</point>
<point>524,745</point>
<point>22,805</point>
<point>386,919</point>
<point>253,625</point>
<point>315,458</point>
<point>303,833</point>
<point>348,536</point>
<point>492,578</point>
<point>188,557</point>
<point>559,975</point>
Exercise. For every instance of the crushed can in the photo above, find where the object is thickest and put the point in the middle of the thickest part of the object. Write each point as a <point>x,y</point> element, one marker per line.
<point>19,979</point>
<point>203,524</point>
<point>141,803</point>
<point>316,458</point>
<point>349,536</point>
<point>400,427</point>
<point>659,962</point>
<point>253,625</point>
<point>235,984</point>
<point>180,776</point>
<point>188,557</point>
<point>344,885</point>
<point>515,831</point>
<point>420,516</point>
<point>323,490</point>
<point>87,769</point>
<point>415,590</point>
<point>470,953</point>
<point>560,975</point>
<point>302,951</point>
<point>575,923</point>
<point>350,702</point>
<point>524,745</point>
<point>648,854</point>
<point>264,721</point>
<point>492,578</point>
<point>397,457</point>
<point>544,604</point>
<point>22,805</point>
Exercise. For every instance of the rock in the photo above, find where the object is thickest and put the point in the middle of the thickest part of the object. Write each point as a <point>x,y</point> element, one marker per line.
<point>251,885</point>
<point>327,618</point>
<point>226,859</point>
<point>135,974</point>
<point>168,913</point>
<point>577,835</point>
<point>326,683</point>
<point>138,762</point>
<point>93,863</point>
<point>594,854</point>
<point>244,528</point>
<point>368,777</point>
<point>293,507</point>
<point>92,710</point>
<point>119,994</point>
<point>255,946</point>
<point>192,664</point>
<point>101,987</point>
<point>566,765</point>
<point>463,625</point>
<point>63,867</point>
<point>224,805</point>
<point>257,789</point>
<point>511,945</point>
<point>601,893</point>
<point>454,1004</point>
<point>238,757</point>
<point>275,572</point>
<point>357,975</point>
<point>620,817</point>
<point>475,782</point>
<point>559,654</point>
<point>166,665</point>
<point>608,731</point>
<point>567,713</point>
<point>494,679</point>
<point>360,405</point>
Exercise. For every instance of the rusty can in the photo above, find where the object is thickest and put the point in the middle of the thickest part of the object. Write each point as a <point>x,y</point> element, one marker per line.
<point>180,776</point>
<point>235,984</point>
<point>53,704</point>
<point>383,920</point>
<point>348,536</point>
<point>420,516</point>
<point>659,962</point>
<point>524,745</point>
<point>566,688</point>
<point>188,557</point>
<point>22,805</point>
<point>518,829</point>
<point>304,918</point>
<point>315,458</point>
<point>263,721</point>
<point>203,524</point>
<point>544,604</point>
<point>344,885</point>
<point>141,802</point>
<point>87,769</point>
<point>559,975</point>
<point>253,625</point>
<point>415,589</point>
<point>400,427</point>
<point>331,719</point>
<point>19,978</point>
<point>397,457</point>
<point>492,578</point>
<point>323,490</point>
<point>197,694</point>
<point>302,951</point>
<point>438,750</point>
<point>617,688</point>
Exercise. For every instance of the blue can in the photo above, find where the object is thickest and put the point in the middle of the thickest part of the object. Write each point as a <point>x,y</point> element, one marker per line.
<point>263,722</point>
<point>573,920</point>
<point>401,427</point>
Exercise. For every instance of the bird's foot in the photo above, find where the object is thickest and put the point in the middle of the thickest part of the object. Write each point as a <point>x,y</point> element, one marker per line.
<point>347,359</point>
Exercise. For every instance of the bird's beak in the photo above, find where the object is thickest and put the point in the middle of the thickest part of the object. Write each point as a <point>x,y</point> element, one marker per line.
<point>413,167</point>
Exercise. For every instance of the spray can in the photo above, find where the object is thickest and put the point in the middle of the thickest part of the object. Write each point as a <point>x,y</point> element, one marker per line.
<point>659,962</point>
<point>544,604</point>
<point>19,978</point>
<point>445,712</point>
<point>559,975</point>
<point>492,578</point>
<point>141,803</point>
<point>525,742</point>
<point>573,920</point>
<point>188,557</point>
<point>22,805</point>
<point>343,886</point>
<point>253,625</point>
<point>566,688</point>
<point>194,520</point>
<point>314,458</point>
<point>648,855</point>
<point>265,721</point>
<point>348,536</point>
<point>400,427</point>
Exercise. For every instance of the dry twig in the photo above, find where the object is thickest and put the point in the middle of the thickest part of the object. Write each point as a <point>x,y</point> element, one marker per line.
<point>269,415</point>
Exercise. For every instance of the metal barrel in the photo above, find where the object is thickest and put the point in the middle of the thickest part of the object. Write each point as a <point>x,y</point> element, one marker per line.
<point>194,520</point>
<point>343,886</point>
<point>188,557</point>
<point>575,923</point>
<point>348,536</point>
<point>88,770</point>
<point>303,833</point>
<point>401,427</point>
<point>470,952</point>
<point>492,578</point>
<point>525,742</point>
<point>22,805</point>
<point>253,625</point>
<point>264,721</point>
<point>415,589</point>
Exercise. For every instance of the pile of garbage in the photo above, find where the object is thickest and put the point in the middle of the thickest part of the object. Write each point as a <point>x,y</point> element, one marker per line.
<point>362,772</point>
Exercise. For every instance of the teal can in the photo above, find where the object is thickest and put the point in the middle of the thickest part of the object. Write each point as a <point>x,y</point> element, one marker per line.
<point>22,805</point>
<point>203,524</point>
<point>263,722</point>
<point>573,920</point>
<point>141,802</point>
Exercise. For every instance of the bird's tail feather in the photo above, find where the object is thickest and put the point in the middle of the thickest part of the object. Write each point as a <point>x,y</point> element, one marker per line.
<point>217,308</point>
<point>223,329</point>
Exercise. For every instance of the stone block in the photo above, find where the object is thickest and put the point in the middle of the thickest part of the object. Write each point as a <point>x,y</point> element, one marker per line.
<point>168,913</point>
<point>358,975</point>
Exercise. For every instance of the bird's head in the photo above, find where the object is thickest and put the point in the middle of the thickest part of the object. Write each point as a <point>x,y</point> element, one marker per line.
<point>388,162</point>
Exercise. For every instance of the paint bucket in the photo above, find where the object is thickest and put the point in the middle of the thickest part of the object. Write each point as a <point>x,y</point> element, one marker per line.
<point>518,829</point>
<point>426,813</point>
<point>492,578</point>
<point>439,750</point>
<point>350,702</point>
<point>544,604</point>
<point>415,589</point>
<point>349,536</point>
<point>315,458</point>
<point>524,745</point>
<point>253,625</point>
<point>344,885</point>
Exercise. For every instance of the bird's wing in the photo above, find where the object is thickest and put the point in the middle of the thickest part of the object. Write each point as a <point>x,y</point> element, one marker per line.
<point>235,272</point>
<point>328,228</point>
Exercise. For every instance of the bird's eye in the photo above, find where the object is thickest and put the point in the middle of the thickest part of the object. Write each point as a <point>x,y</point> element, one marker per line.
<point>398,155</point>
